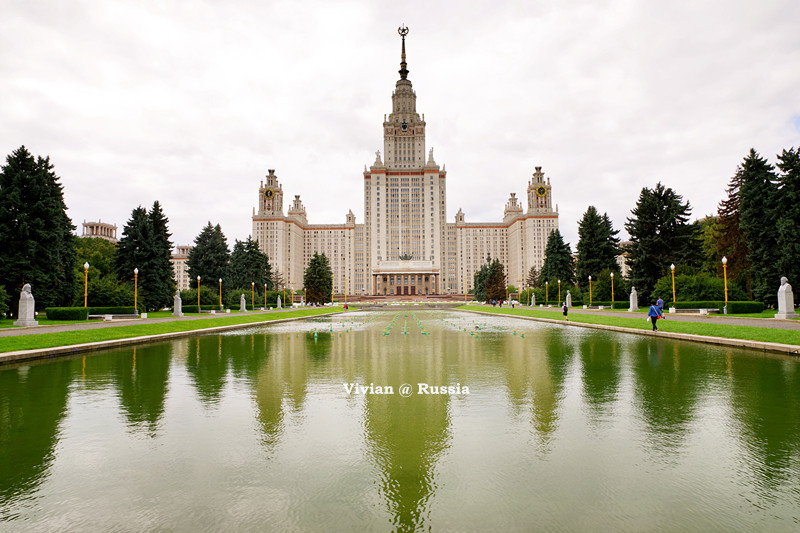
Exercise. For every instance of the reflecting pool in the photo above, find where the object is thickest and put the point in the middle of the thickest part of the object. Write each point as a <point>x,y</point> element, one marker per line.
<point>307,426</point>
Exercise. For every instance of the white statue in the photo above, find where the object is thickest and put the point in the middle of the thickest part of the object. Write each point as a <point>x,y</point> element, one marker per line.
<point>634,300</point>
<point>242,303</point>
<point>785,300</point>
<point>177,304</point>
<point>27,311</point>
<point>569,299</point>
<point>279,303</point>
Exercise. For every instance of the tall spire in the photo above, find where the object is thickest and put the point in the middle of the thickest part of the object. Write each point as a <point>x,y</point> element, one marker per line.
<point>403,31</point>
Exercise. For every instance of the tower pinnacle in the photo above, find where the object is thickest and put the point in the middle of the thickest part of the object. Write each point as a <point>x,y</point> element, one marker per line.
<point>403,31</point>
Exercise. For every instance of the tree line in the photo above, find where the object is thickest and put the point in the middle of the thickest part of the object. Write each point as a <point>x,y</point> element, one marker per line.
<point>754,229</point>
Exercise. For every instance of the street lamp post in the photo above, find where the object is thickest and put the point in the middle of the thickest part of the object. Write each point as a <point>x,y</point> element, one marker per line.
<point>220,294</point>
<point>136,290</point>
<point>612,290</point>
<point>559,292</point>
<point>546,291</point>
<point>85,281</point>
<point>253,295</point>
<point>672,268</point>
<point>725,273</point>
<point>590,291</point>
<point>198,293</point>
<point>265,297</point>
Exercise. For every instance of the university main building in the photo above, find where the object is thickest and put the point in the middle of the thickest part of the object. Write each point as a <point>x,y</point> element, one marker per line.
<point>405,245</point>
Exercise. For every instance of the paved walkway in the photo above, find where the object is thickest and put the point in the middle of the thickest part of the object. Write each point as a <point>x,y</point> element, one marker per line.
<point>37,330</point>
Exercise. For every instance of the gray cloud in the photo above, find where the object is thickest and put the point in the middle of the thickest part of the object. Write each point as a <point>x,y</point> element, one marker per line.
<point>191,102</point>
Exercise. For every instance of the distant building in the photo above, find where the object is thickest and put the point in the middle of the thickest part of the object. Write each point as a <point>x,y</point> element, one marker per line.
<point>622,259</point>
<point>100,230</point>
<point>405,245</point>
<point>181,268</point>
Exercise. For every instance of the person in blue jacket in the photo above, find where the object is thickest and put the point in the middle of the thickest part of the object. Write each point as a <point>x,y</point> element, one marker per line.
<point>654,313</point>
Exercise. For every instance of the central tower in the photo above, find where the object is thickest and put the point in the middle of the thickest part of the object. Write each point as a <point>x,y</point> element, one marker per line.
<point>404,130</point>
<point>404,201</point>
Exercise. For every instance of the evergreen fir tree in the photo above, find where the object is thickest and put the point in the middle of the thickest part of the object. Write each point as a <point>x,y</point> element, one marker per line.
<point>598,246</point>
<point>158,277</point>
<point>318,279</point>
<point>660,236</point>
<point>209,257</point>
<point>759,222</point>
<point>730,239</point>
<point>480,281</point>
<point>36,236</point>
<point>132,250</point>
<point>533,277</point>
<point>248,264</point>
<point>145,246</point>
<point>495,284</point>
<point>789,215</point>
<point>558,261</point>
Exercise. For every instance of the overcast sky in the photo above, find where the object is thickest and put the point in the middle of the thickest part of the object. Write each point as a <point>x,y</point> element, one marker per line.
<point>191,102</point>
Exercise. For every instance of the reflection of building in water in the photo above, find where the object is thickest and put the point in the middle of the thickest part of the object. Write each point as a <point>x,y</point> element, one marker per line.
<point>536,377</point>
<point>405,245</point>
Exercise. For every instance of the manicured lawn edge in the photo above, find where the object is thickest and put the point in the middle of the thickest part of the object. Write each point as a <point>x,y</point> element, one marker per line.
<point>766,339</point>
<point>70,342</point>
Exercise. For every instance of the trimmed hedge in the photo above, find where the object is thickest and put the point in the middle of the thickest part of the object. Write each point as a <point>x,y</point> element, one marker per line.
<point>112,310</point>
<point>733,307</point>
<point>67,313</point>
<point>744,307</point>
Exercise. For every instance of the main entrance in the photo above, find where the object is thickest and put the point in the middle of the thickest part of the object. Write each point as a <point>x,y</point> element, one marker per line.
<point>405,278</point>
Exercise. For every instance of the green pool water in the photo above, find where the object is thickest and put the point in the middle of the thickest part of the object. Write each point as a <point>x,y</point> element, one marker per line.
<point>284,428</point>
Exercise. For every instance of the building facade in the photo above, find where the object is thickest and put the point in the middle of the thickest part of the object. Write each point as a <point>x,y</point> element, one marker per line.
<point>100,230</point>
<point>180,267</point>
<point>405,245</point>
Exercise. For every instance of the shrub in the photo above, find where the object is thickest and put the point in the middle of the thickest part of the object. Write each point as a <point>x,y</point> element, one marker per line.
<point>67,313</point>
<point>207,296</point>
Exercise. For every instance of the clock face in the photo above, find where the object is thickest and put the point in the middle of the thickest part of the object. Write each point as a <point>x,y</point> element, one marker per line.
<point>404,126</point>
<point>269,194</point>
<point>541,190</point>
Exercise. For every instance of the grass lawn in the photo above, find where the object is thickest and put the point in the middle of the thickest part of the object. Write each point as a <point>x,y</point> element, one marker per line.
<point>66,338</point>
<point>712,329</point>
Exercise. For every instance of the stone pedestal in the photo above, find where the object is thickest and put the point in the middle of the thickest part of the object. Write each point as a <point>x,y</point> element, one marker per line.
<point>27,312</point>
<point>177,304</point>
<point>785,301</point>
<point>634,304</point>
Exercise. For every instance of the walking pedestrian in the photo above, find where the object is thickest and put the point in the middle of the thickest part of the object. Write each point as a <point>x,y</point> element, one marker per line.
<point>660,305</point>
<point>654,314</point>
<point>565,310</point>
